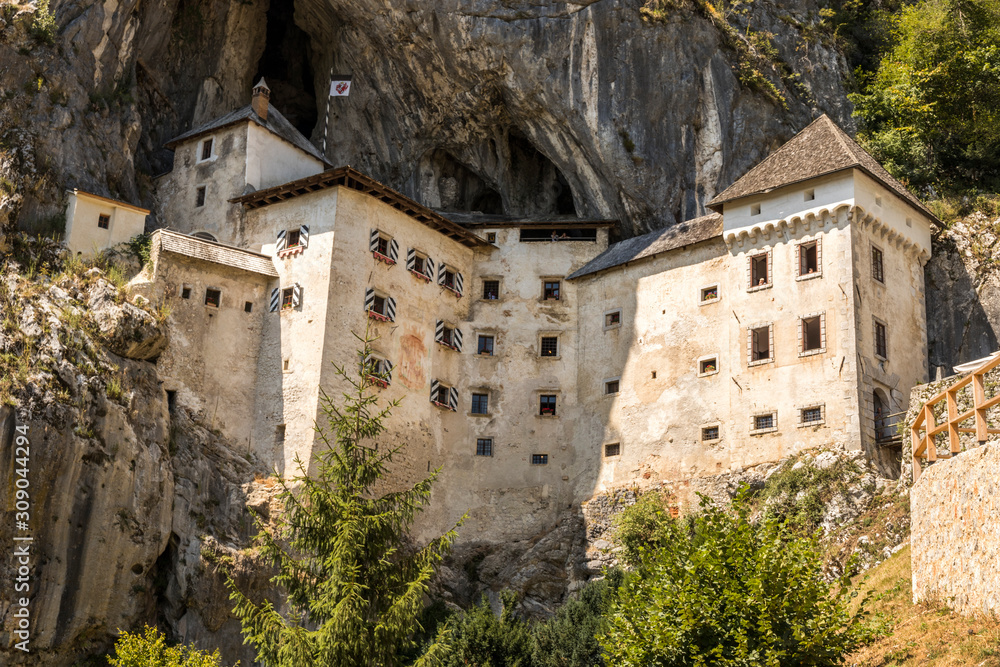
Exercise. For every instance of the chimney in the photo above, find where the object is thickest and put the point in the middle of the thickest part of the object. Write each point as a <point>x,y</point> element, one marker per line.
<point>261,98</point>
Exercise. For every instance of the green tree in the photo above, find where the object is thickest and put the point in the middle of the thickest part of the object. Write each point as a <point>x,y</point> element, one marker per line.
<point>354,583</point>
<point>724,591</point>
<point>150,649</point>
<point>930,112</point>
<point>569,639</point>
<point>481,639</point>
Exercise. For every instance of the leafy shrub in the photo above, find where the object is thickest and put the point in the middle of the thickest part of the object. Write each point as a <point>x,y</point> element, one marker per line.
<point>798,496</point>
<point>150,649</point>
<point>727,592</point>
<point>641,527</point>
<point>482,639</point>
<point>569,639</point>
<point>43,26</point>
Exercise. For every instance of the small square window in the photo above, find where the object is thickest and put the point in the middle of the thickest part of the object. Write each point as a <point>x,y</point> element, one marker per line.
<point>763,422</point>
<point>213,297</point>
<point>484,446</point>
<point>708,366</point>
<point>485,346</point>
<point>551,290</point>
<point>287,298</point>
<point>491,290</point>
<point>480,404</point>
<point>491,237</point>
<point>754,209</point>
<point>760,274</point>
<point>293,239</point>
<point>612,319</point>
<point>878,272</point>
<point>709,294</point>
<point>811,415</point>
<point>760,344</point>
<point>812,333</point>
<point>809,195</point>
<point>881,341</point>
<point>550,346</point>
<point>539,459</point>
<point>248,307</point>
<point>611,387</point>
<point>547,404</point>
<point>613,449</point>
<point>808,258</point>
<point>103,221</point>
<point>186,292</point>
<point>709,433</point>
<point>199,196</point>
<point>206,148</point>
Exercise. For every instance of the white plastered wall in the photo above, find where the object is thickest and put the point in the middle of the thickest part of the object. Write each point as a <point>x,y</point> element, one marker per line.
<point>83,235</point>
<point>271,161</point>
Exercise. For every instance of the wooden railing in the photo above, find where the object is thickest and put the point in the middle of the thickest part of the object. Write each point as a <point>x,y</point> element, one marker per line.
<point>926,446</point>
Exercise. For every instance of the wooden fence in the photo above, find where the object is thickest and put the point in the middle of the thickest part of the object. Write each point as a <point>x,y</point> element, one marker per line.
<point>926,446</point>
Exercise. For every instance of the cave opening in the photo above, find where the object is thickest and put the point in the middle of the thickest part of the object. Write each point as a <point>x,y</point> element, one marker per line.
<point>542,188</point>
<point>448,185</point>
<point>286,64</point>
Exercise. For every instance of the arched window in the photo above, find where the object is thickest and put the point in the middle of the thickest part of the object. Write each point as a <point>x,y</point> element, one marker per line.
<point>204,235</point>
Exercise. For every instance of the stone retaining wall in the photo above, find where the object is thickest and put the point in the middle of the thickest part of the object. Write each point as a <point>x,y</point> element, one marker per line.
<point>955,532</point>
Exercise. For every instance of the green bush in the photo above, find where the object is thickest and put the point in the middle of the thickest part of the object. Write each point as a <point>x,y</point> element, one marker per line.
<point>43,25</point>
<point>150,649</point>
<point>569,639</point>
<point>641,527</point>
<point>481,639</point>
<point>726,592</point>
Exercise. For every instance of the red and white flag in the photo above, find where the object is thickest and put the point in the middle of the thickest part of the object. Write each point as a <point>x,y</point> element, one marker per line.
<point>340,85</point>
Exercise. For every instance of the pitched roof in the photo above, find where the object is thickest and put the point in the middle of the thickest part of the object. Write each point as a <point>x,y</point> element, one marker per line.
<point>275,122</point>
<point>355,180</point>
<point>639,247</point>
<point>215,252</point>
<point>821,148</point>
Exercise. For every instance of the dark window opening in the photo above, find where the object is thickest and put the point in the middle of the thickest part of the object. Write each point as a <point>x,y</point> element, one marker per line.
<point>491,237</point>
<point>449,279</point>
<point>611,319</point>
<point>536,234</point>
<point>383,246</point>
<point>550,346</point>
<point>808,258</point>
<point>709,293</point>
<point>443,394</point>
<point>206,149</point>
<point>485,346</point>
<point>448,336</point>
<point>292,239</point>
<point>611,387</point>
<point>539,459</point>
<point>484,446</point>
<point>171,400</point>
<point>812,334</point>
<point>761,422</point>
<point>287,298</point>
<point>881,346</point>
<point>279,433</point>
<point>103,221</point>
<point>185,292</point>
<point>248,307</point>
<point>213,297</point>
<point>878,272</point>
<point>708,366</point>
<point>810,415</point>
<point>758,271</point>
<point>491,290</point>
<point>378,305</point>
<point>551,292</point>
<point>480,404</point>
<point>199,196</point>
<point>418,265</point>
<point>614,449</point>
<point>710,433</point>
<point>547,404</point>
<point>760,344</point>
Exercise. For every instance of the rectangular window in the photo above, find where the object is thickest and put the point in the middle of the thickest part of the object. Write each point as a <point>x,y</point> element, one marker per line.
<point>539,459</point>
<point>287,298</point>
<point>186,292</point>
<point>708,366</point>
<point>550,346</point>
<point>480,404</point>
<point>547,404</point>
<point>199,196</point>
<point>382,246</point>
<point>754,209</point>
<point>484,446</point>
<point>709,433</point>
<point>808,258</point>
<point>448,336</point>
<point>614,449</point>
<point>809,195</point>
<point>811,415</point>
<point>443,393</point>
<point>881,342</point>
<point>611,387</point>
<point>103,221</point>
<point>378,305</point>
<point>760,344</point>
<point>551,290</point>
<point>449,279</point>
<point>612,319</point>
<point>709,294</point>
<point>491,237</point>
<point>279,433</point>
<point>812,333</point>
<point>206,149</point>
<point>760,274</point>
<point>248,307</point>
<point>491,290</point>
<point>485,346</point>
<point>213,297</point>
<point>878,272</point>
<point>764,422</point>
<point>418,265</point>
<point>293,239</point>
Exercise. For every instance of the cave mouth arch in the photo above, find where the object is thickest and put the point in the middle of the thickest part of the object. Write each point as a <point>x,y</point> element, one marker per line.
<point>286,64</point>
<point>448,185</point>
<point>541,187</point>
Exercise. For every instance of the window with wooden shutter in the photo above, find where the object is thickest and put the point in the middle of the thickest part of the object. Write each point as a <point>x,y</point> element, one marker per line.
<point>383,247</point>
<point>281,242</point>
<point>444,396</point>
<point>275,299</point>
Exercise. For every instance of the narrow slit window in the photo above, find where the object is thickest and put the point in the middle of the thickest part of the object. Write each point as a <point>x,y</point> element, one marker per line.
<point>480,404</point>
<point>613,449</point>
<point>878,272</point>
<point>710,433</point>
<point>810,195</point>
<point>881,341</point>
<point>491,237</point>
<point>485,346</point>
<point>760,275</point>
<point>491,290</point>
<point>547,404</point>
<point>808,258</point>
<point>213,297</point>
<point>484,446</point>
<point>754,209</point>
<point>551,290</point>
<point>103,221</point>
<point>199,196</point>
<point>550,346</point>
<point>812,333</point>
<point>248,307</point>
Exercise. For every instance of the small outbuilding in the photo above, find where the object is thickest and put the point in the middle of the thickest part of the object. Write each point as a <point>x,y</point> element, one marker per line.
<point>95,223</point>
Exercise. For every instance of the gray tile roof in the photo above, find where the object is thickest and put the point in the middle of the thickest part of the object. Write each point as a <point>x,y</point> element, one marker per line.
<point>215,252</point>
<point>275,122</point>
<point>821,148</point>
<point>676,236</point>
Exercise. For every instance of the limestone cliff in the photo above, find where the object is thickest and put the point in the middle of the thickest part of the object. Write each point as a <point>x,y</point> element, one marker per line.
<point>624,109</point>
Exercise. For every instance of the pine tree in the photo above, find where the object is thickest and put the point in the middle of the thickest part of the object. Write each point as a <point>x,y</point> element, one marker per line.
<point>354,583</point>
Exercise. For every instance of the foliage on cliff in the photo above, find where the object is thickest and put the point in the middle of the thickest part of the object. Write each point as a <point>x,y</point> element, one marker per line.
<point>354,583</point>
<point>150,649</point>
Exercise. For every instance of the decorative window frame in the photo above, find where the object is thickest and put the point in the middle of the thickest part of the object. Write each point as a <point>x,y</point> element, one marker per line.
<point>604,386</point>
<point>711,441</point>
<point>708,357</point>
<point>427,275</point>
<point>390,306</point>
<point>386,374</point>
<point>458,281</point>
<point>559,344</point>
<point>457,337</point>
<point>875,322</point>
<point>436,386</point>
<point>770,270</point>
<point>799,276</point>
<point>763,413</point>
<point>715,299</point>
<point>616,325</point>
<point>822,334</point>
<point>770,344</point>
<point>811,406</point>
